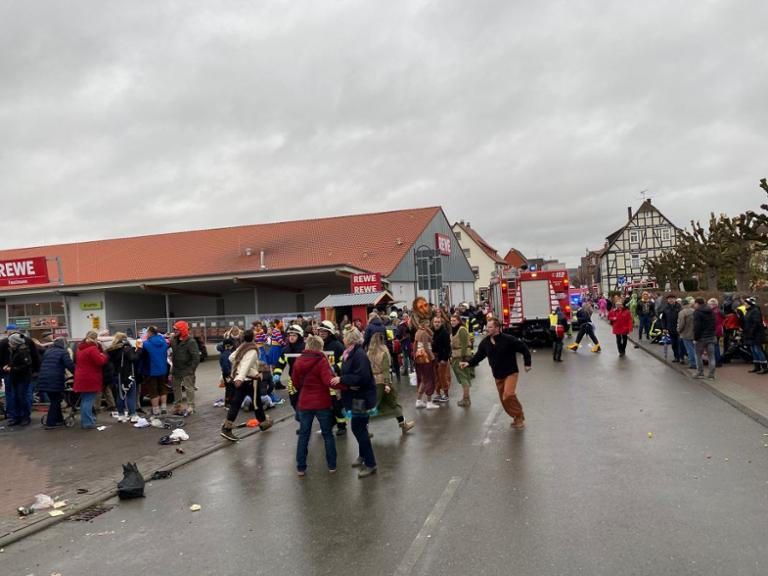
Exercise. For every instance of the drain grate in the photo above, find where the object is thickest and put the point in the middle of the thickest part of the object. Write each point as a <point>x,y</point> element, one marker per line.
<point>88,514</point>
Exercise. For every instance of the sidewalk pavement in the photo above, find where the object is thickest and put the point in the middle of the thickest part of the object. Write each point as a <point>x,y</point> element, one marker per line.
<point>733,383</point>
<point>61,462</point>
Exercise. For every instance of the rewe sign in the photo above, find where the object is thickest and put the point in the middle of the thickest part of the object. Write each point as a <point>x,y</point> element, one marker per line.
<point>366,283</point>
<point>24,271</point>
<point>443,244</point>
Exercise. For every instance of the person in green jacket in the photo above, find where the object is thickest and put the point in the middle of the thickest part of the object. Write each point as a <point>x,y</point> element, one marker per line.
<point>386,395</point>
<point>461,351</point>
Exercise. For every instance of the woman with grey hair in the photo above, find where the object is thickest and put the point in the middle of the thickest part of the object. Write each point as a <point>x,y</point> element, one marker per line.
<point>358,396</point>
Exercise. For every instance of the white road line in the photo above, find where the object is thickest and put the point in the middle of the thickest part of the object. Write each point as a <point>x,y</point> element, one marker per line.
<point>419,544</point>
<point>487,425</point>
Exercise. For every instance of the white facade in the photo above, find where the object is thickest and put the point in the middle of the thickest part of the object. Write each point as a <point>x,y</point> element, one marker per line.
<point>647,234</point>
<point>483,265</point>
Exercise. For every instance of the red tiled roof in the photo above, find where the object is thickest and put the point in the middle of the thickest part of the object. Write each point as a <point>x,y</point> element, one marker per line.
<point>484,246</point>
<point>514,258</point>
<point>374,242</point>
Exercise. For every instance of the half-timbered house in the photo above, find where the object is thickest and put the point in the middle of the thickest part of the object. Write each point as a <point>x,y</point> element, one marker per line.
<point>646,234</point>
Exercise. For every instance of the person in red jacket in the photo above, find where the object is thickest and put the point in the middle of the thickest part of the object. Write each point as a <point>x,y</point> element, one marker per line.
<point>89,376</point>
<point>621,320</point>
<point>311,376</point>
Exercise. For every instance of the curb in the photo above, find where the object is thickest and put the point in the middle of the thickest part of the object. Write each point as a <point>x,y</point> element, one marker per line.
<point>761,419</point>
<point>105,494</point>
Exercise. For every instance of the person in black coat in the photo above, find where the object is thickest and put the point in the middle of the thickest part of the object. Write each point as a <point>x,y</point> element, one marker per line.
<point>669,323</point>
<point>122,359</point>
<point>754,335</point>
<point>358,396</point>
<point>20,362</point>
<point>52,380</point>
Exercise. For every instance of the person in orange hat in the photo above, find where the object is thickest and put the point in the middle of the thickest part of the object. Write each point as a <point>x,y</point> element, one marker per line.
<point>185,358</point>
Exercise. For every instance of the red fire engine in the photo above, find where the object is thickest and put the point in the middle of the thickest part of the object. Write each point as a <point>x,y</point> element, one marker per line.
<point>523,301</point>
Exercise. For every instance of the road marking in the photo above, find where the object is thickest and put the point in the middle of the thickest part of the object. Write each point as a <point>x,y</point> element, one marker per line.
<point>419,544</point>
<point>487,426</point>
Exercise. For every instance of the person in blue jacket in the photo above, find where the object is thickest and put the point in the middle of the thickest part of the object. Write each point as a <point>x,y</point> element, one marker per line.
<point>155,370</point>
<point>358,396</point>
<point>52,379</point>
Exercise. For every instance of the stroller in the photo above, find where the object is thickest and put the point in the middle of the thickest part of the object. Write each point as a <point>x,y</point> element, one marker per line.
<point>737,349</point>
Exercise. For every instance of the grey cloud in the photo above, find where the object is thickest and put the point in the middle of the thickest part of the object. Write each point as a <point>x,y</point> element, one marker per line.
<point>538,122</point>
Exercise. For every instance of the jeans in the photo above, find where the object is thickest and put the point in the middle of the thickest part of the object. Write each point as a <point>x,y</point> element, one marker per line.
<point>21,397</point>
<point>54,417</point>
<point>675,344</point>
<point>690,351</point>
<point>10,398</point>
<point>126,401</point>
<point>557,349</point>
<point>621,343</point>
<point>709,346</point>
<point>644,323</point>
<point>325,418</point>
<point>758,355</point>
<point>360,430</point>
<point>87,400</point>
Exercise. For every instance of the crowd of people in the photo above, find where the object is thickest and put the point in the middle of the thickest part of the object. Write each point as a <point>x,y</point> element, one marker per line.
<point>697,331</point>
<point>339,374</point>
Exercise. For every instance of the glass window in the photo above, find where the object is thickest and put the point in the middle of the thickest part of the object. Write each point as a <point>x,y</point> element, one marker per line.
<point>634,236</point>
<point>15,310</point>
<point>39,309</point>
<point>466,252</point>
<point>666,234</point>
<point>57,308</point>
<point>635,262</point>
<point>458,235</point>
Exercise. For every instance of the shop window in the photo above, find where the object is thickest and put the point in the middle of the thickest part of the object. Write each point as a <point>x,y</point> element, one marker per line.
<point>16,310</point>
<point>39,309</point>
<point>57,308</point>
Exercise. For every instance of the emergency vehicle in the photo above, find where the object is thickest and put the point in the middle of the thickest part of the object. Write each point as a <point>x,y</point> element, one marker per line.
<point>523,301</point>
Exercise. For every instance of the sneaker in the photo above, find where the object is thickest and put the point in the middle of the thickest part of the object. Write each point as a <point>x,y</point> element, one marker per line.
<point>218,404</point>
<point>122,418</point>
<point>518,424</point>
<point>440,398</point>
<point>711,376</point>
<point>407,425</point>
<point>331,470</point>
<point>357,463</point>
<point>464,403</point>
<point>278,402</point>
<point>266,425</point>
<point>341,431</point>
<point>365,472</point>
<point>431,406</point>
<point>228,434</point>
<point>134,418</point>
<point>637,345</point>
<point>596,348</point>
<point>421,404</point>
<point>573,346</point>
<point>115,414</point>
<point>55,426</point>
<point>699,376</point>
<point>301,473</point>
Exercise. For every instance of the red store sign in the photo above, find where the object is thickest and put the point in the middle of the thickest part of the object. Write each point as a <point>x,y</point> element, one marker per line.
<point>443,244</point>
<point>366,283</point>
<point>24,271</point>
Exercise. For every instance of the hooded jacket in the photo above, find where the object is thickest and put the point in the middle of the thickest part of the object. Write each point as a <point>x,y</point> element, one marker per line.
<point>703,324</point>
<point>122,357</point>
<point>373,327</point>
<point>56,361</point>
<point>89,364</point>
<point>622,321</point>
<point>186,354</point>
<point>156,356</point>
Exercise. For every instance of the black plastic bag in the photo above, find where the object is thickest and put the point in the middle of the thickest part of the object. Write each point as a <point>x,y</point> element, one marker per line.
<point>132,484</point>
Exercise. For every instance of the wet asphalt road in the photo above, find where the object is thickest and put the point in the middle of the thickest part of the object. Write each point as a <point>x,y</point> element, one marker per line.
<point>583,490</point>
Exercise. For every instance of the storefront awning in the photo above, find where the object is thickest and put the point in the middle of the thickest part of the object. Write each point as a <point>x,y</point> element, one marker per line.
<point>343,300</point>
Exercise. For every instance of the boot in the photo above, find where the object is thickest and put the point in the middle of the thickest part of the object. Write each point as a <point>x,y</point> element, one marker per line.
<point>226,431</point>
<point>406,425</point>
<point>573,346</point>
<point>596,348</point>
<point>764,368</point>
<point>755,368</point>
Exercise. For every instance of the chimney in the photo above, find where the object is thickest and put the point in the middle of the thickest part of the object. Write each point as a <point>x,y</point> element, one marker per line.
<point>629,212</point>
<point>469,225</point>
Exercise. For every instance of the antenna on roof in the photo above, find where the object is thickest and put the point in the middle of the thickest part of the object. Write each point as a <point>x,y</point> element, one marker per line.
<point>645,195</point>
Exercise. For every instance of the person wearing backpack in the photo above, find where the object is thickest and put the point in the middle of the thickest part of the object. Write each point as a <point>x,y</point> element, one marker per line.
<point>20,361</point>
<point>89,376</point>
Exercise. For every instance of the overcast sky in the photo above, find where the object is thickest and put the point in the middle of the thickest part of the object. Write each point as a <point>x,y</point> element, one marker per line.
<point>539,122</point>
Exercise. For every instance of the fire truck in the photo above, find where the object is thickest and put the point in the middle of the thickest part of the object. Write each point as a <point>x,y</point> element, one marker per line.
<point>523,301</point>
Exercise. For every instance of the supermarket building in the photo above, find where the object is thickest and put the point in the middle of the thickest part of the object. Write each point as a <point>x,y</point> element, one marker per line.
<point>230,276</point>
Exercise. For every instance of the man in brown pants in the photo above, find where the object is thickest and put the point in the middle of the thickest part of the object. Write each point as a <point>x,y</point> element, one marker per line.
<point>501,351</point>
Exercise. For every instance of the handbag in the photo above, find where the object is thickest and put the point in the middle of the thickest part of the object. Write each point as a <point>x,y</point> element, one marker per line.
<point>132,484</point>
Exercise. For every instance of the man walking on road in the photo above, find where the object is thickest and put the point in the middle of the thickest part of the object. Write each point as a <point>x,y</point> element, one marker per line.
<point>501,351</point>
<point>704,337</point>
